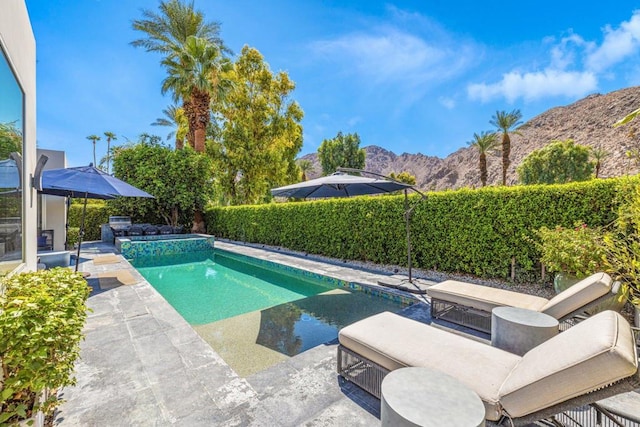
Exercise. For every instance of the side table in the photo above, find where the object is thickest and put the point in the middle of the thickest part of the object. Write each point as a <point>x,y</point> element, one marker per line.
<point>427,397</point>
<point>518,330</point>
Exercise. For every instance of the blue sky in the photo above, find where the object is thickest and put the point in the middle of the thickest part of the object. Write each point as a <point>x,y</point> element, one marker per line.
<point>410,76</point>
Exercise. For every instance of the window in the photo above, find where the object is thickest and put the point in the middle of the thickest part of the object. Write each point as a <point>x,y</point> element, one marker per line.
<point>11,142</point>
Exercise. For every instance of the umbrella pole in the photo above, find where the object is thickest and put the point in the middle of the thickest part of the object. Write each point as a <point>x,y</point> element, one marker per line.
<point>66,224</point>
<point>407,215</point>
<point>81,234</point>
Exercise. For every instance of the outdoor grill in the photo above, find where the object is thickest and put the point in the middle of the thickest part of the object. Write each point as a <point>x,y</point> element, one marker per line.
<point>119,223</point>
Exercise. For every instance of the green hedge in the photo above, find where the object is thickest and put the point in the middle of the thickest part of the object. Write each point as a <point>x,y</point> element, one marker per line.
<point>97,214</point>
<point>41,319</point>
<point>464,231</point>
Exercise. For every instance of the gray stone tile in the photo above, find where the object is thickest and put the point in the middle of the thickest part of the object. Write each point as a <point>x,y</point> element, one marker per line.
<point>142,326</point>
<point>233,393</point>
<point>195,354</point>
<point>308,392</point>
<point>343,412</point>
<point>180,398</point>
<point>271,380</point>
<point>139,408</point>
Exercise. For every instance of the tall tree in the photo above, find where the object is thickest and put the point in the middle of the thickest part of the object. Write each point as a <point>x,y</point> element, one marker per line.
<point>170,175</point>
<point>181,35</point>
<point>557,163</point>
<point>110,137</point>
<point>175,119</point>
<point>94,139</point>
<point>404,177</point>
<point>599,154</point>
<point>194,77</point>
<point>305,167</point>
<point>505,122</point>
<point>258,131</point>
<point>484,143</point>
<point>341,151</point>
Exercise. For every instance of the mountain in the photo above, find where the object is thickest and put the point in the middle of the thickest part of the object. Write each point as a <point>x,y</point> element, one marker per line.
<point>588,121</point>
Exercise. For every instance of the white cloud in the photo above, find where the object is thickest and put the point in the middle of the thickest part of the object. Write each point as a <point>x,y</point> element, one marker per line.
<point>354,121</point>
<point>448,103</point>
<point>535,85</point>
<point>391,56</point>
<point>574,67</point>
<point>617,45</point>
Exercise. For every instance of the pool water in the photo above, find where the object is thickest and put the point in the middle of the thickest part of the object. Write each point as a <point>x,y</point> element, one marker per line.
<point>205,287</point>
<point>251,315</point>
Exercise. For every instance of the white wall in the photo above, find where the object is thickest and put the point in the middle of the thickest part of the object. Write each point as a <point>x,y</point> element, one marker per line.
<point>18,42</point>
<point>53,208</point>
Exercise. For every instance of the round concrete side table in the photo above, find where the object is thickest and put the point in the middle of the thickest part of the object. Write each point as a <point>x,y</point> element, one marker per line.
<point>518,330</point>
<point>427,397</point>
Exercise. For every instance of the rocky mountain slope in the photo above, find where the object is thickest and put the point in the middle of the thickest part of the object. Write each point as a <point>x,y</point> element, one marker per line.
<point>588,122</point>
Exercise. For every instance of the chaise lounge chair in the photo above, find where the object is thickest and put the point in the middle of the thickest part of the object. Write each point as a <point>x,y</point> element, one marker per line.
<point>593,360</point>
<point>470,305</point>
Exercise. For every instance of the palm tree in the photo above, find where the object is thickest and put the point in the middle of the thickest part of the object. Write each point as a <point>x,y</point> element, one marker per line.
<point>505,122</point>
<point>174,118</point>
<point>599,154</point>
<point>94,139</point>
<point>305,166</point>
<point>484,142</point>
<point>110,137</point>
<point>167,31</point>
<point>194,76</point>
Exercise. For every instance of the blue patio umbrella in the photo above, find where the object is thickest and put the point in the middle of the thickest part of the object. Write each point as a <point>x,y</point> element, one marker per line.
<point>9,177</point>
<point>86,182</point>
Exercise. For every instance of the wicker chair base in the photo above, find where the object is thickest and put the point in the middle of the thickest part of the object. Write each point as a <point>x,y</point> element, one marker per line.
<point>362,372</point>
<point>461,315</point>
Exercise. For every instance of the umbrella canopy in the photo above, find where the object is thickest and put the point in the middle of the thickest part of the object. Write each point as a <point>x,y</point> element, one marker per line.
<point>338,185</point>
<point>86,182</point>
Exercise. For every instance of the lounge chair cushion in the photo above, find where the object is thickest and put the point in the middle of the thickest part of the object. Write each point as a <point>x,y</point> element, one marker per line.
<point>590,355</point>
<point>394,342</point>
<point>578,295</point>
<point>483,298</point>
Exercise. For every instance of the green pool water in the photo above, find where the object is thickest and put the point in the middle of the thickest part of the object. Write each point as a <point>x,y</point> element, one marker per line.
<point>205,287</point>
<point>255,316</point>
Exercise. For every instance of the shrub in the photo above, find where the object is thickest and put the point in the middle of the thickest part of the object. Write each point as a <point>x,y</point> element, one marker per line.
<point>623,245</point>
<point>465,231</point>
<point>578,251</point>
<point>41,319</point>
<point>96,215</point>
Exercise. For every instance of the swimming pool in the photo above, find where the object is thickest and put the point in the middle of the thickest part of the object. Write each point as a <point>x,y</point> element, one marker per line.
<point>256,314</point>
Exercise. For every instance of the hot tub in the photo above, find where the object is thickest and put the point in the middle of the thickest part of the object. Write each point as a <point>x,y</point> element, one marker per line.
<point>169,244</point>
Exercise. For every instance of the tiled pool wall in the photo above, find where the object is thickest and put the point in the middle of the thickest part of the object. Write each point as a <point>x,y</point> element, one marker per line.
<point>142,246</point>
<point>331,282</point>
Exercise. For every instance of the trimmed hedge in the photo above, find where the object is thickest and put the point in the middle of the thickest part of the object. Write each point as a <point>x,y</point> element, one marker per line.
<point>97,214</point>
<point>464,231</point>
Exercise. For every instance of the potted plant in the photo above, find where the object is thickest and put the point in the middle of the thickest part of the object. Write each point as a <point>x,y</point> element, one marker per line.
<point>571,253</point>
